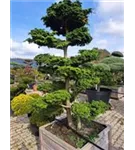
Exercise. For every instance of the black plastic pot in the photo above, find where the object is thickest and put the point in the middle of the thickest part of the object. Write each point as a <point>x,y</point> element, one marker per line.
<point>104,94</point>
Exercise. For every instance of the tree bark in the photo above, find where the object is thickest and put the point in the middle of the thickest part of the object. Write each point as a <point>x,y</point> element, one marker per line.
<point>68,109</point>
<point>79,125</point>
<point>69,116</point>
<point>65,52</point>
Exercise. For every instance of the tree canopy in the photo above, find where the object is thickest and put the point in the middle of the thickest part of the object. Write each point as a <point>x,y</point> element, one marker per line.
<point>65,18</point>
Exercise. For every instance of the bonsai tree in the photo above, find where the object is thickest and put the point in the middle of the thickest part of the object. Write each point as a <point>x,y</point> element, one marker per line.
<point>68,19</point>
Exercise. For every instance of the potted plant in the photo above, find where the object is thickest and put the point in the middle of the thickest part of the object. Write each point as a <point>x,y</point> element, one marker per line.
<point>98,92</point>
<point>110,72</point>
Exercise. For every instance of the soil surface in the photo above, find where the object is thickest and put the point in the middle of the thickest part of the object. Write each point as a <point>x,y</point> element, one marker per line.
<point>88,131</point>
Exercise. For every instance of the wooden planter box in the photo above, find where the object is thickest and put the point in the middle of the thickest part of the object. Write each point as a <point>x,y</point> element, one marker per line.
<point>117,93</point>
<point>49,141</point>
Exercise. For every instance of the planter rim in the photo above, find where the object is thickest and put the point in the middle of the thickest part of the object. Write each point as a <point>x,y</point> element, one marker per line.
<point>107,128</point>
<point>101,90</point>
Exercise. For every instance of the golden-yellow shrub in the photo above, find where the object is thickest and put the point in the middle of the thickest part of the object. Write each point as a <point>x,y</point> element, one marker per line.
<point>22,104</point>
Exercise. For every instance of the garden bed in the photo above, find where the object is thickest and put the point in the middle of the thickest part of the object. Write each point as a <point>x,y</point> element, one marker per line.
<point>58,135</point>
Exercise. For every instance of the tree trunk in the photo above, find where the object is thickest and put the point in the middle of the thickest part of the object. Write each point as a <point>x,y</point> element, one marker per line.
<point>68,109</point>
<point>65,52</point>
<point>69,116</point>
<point>98,88</point>
<point>79,125</point>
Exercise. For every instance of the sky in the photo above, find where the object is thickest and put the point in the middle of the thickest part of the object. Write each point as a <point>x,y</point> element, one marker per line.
<point>106,26</point>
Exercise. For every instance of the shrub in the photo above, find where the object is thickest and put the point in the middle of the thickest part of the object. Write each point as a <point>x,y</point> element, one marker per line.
<point>102,66</point>
<point>117,54</point>
<point>98,107</point>
<point>22,104</point>
<point>14,91</point>
<point>111,60</point>
<point>44,112</point>
<point>46,108</point>
<point>116,67</point>
<point>34,95</point>
<point>26,80</point>
<point>41,116</point>
<point>103,71</point>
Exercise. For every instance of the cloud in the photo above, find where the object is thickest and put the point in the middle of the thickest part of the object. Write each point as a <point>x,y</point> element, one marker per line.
<point>110,8</point>
<point>26,50</point>
<point>112,15</point>
<point>111,27</point>
<point>102,43</point>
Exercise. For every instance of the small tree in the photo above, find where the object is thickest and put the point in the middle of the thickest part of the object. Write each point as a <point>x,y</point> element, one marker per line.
<point>68,19</point>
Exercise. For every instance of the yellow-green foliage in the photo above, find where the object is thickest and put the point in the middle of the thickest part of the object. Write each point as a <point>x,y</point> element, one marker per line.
<point>22,104</point>
<point>34,95</point>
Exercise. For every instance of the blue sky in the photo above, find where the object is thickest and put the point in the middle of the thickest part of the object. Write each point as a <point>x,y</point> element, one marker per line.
<point>106,26</point>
